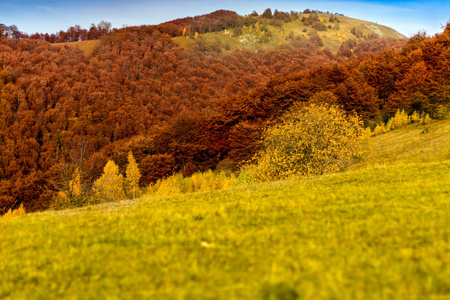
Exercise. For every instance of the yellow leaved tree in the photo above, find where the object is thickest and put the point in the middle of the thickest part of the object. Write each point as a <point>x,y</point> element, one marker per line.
<point>132,178</point>
<point>310,140</point>
<point>109,187</point>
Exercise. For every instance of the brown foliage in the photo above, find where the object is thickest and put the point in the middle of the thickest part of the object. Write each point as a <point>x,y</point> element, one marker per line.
<point>154,167</point>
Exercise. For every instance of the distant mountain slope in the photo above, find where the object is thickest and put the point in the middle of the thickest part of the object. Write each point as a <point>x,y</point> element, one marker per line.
<point>261,32</point>
<point>228,31</point>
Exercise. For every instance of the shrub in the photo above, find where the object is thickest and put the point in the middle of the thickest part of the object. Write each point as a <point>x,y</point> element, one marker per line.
<point>401,119</point>
<point>415,117</point>
<point>209,181</point>
<point>442,112</point>
<point>379,129</point>
<point>15,212</point>
<point>169,186</point>
<point>61,201</point>
<point>244,177</point>
<point>311,140</point>
<point>198,182</point>
<point>237,31</point>
<point>319,26</point>
<point>425,119</point>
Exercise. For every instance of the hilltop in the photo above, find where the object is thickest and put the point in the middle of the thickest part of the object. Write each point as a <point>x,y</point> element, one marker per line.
<point>282,30</point>
<point>229,31</point>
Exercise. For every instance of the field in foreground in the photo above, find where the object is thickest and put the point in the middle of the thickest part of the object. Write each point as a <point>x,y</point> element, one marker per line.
<point>377,233</point>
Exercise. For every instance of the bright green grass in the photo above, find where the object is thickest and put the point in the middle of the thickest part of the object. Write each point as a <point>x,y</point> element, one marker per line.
<point>378,233</point>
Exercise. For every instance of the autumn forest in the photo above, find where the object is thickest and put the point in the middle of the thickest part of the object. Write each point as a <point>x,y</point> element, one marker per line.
<point>191,107</point>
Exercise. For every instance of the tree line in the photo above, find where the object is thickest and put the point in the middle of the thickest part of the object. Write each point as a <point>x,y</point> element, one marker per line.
<point>72,34</point>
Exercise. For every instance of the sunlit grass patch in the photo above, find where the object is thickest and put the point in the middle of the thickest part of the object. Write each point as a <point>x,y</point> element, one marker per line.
<point>414,142</point>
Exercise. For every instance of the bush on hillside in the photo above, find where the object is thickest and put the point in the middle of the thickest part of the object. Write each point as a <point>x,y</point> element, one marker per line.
<point>319,26</point>
<point>237,31</point>
<point>400,120</point>
<point>198,182</point>
<point>15,212</point>
<point>311,140</point>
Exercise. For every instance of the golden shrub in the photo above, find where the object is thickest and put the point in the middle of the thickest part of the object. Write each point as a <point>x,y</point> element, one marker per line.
<point>198,182</point>
<point>61,201</point>
<point>15,212</point>
<point>415,117</point>
<point>425,119</point>
<point>169,186</point>
<point>401,119</point>
<point>310,140</point>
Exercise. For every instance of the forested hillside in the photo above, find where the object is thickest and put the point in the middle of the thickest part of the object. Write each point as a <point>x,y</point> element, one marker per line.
<point>186,109</point>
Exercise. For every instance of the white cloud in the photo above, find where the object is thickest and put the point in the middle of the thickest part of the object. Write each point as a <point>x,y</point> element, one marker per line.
<point>47,9</point>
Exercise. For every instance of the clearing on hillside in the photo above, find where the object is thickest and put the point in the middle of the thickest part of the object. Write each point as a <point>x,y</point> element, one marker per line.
<point>87,47</point>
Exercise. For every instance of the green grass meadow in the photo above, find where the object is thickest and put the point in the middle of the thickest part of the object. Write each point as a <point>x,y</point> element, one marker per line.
<point>379,232</point>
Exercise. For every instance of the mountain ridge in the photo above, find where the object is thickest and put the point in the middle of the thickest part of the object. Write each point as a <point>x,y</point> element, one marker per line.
<point>269,33</point>
<point>230,31</point>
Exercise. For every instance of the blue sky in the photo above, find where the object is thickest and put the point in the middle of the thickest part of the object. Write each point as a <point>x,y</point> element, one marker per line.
<point>407,17</point>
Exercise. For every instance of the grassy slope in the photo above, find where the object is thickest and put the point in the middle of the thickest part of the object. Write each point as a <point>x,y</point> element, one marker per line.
<point>376,233</point>
<point>332,38</point>
<point>416,143</point>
